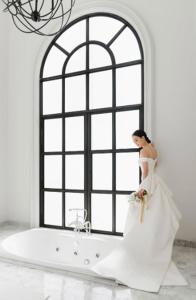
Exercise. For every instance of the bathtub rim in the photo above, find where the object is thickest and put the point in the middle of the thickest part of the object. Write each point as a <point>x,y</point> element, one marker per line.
<point>66,232</point>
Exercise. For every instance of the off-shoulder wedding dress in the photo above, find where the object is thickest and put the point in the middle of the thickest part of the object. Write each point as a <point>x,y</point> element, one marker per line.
<point>143,259</point>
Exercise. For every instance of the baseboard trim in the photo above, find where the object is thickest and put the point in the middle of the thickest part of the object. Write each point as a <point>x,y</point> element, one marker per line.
<point>184,243</point>
<point>15,223</point>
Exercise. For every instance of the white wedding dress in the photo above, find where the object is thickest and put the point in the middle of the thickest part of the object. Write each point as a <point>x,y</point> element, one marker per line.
<point>143,258</point>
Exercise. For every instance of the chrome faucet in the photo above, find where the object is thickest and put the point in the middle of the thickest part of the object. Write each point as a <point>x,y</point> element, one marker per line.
<point>80,222</point>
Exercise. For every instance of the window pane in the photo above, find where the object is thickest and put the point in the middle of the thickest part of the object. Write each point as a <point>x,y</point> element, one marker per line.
<point>101,89</point>
<point>53,208</point>
<point>77,61</point>
<point>126,123</point>
<point>73,36</point>
<point>101,137</point>
<point>121,212</point>
<point>74,171</point>
<point>75,93</point>
<point>53,171</point>
<point>99,57</point>
<point>52,97</point>
<point>128,85</point>
<point>73,200</point>
<point>110,25</point>
<point>53,135</point>
<point>54,62</point>
<point>74,133</point>
<point>102,171</point>
<point>127,171</point>
<point>125,47</point>
<point>101,211</point>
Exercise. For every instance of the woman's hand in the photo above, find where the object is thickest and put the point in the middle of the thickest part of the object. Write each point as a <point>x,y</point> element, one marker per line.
<point>140,193</point>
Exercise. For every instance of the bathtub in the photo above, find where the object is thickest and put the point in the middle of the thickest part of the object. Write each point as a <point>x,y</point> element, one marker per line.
<point>59,249</point>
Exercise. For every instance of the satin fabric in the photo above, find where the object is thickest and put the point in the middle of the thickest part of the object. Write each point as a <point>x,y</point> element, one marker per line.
<point>143,258</point>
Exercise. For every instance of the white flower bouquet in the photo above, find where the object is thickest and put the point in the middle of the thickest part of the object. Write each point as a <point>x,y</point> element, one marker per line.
<point>134,199</point>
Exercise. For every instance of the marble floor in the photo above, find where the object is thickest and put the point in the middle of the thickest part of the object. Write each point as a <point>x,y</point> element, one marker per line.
<point>19,282</point>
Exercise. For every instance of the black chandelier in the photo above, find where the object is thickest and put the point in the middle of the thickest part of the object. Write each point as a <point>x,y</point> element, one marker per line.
<point>31,16</point>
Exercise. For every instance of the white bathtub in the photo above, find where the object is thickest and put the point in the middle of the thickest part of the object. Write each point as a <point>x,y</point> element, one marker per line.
<point>59,249</point>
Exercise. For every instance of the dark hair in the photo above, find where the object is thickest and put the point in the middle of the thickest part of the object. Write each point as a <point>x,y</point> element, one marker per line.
<point>141,133</point>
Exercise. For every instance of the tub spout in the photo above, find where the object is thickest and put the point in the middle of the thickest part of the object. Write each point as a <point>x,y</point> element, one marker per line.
<point>78,225</point>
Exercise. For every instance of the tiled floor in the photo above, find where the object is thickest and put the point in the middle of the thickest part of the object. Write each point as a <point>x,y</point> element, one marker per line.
<point>19,282</point>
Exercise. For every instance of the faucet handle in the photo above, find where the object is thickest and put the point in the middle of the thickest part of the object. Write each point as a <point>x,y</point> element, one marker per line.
<point>80,209</point>
<point>87,226</point>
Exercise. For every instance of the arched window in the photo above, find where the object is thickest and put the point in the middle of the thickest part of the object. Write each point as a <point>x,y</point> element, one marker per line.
<point>91,100</point>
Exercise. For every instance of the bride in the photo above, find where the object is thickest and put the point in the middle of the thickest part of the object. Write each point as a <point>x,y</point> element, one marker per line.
<point>142,260</point>
<point>148,150</point>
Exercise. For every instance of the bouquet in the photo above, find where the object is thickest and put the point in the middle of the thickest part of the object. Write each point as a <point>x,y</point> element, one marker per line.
<point>134,199</point>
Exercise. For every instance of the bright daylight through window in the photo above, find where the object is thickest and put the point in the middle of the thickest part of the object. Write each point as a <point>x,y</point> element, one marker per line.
<point>91,100</point>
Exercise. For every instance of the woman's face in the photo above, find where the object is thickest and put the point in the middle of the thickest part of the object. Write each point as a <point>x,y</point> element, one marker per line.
<point>139,141</point>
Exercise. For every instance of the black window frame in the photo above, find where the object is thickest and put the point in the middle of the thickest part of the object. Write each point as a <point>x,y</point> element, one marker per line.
<point>87,124</point>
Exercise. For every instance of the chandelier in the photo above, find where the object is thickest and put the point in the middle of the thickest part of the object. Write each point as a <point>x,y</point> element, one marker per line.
<point>32,16</point>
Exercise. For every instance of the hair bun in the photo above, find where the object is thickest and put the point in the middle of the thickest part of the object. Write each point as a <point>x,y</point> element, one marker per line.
<point>147,139</point>
<point>141,133</point>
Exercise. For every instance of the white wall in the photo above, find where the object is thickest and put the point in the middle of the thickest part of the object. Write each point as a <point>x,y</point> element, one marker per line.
<point>3,114</point>
<point>171,25</point>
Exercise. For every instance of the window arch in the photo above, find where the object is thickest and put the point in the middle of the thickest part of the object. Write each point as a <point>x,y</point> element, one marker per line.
<point>91,100</point>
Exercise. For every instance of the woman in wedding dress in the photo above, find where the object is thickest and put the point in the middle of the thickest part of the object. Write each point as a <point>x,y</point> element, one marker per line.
<point>143,258</point>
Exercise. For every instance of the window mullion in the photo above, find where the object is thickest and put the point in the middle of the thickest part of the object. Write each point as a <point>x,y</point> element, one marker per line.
<point>63,155</point>
<point>87,201</point>
<point>114,151</point>
<point>41,150</point>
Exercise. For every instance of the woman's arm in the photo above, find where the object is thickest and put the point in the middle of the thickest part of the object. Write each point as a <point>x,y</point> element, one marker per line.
<point>144,169</point>
<point>143,153</point>
<point>144,174</point>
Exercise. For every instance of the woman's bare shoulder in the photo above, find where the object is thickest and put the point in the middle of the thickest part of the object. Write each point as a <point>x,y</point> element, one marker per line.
<point>147,152</point>
<point>143,153</point>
